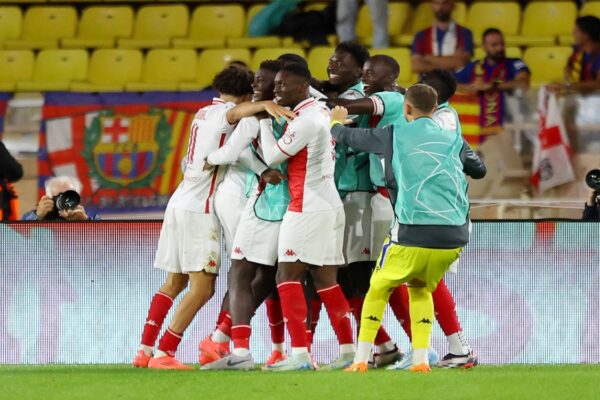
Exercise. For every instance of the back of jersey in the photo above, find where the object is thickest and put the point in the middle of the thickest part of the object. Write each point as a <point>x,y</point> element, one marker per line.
<point>209,131</point>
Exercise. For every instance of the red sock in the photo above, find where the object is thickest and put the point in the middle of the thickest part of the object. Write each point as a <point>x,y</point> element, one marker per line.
<point>445,309</point>
<point>356,305</point>
<point>338,311</point>
<point>225,325</point>
<point>382,336</point>
<point>275,317</point>
<point>169,342</point>
<point>309,339</point>
<point>399,305</point>
<point>222,315</point>
<point>293,307</point>
<point>159,308</point>
<point>241,336</point>
<point>315,311</point>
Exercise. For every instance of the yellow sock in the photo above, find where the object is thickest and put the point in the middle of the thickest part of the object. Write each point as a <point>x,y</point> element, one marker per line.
<point>372,312</point>
<point>420,305</point>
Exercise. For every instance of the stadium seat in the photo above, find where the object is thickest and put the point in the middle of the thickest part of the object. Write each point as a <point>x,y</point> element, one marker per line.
<point>537,31</point>
<point>547,64</point>
<point>110,69</point>
<point>505,16</point>
<point>318,60</point>
<point>15,66</point>
<point>590,8</point>
<point>99,27</point>
<point>210,62</point>
<point>55,70</point>
<point>10,23</point>
<point>212,25</point>
<point>398,14</point>
<point>511,52</point>
<point>44,26</point>
<point>271,54</point>
<point>256,41</point>
<point>165,69</point>
<point>402,55</point>
<point>423,18</point>
<point>155,26</point>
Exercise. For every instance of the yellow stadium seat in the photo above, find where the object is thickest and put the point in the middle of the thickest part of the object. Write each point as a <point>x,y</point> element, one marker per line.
<point>44,26</point>
<point>511,52</point>
<point>212,61</point>
<point>543,22</point>
<point>10,23</point>
<point>55,70</point>
<point>315,6</point>
<point>257,41</point>
<point>402,55</point>
<point>212,25</point>
<point>165,69</point>
<point>590,8</point>
<point>423,18</point>
<point>15,66</point>
<point>100,26</point>
<point>318,61</point>
<point>271,54</point>
<point>155,26</point>
<point>505,16</point>
<point>547,64</point>
<point>566,40</point>
<point>398,14</point>
<point>110,69</point>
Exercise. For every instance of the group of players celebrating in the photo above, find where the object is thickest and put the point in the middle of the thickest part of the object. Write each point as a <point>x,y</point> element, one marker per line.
<point>306,204</point>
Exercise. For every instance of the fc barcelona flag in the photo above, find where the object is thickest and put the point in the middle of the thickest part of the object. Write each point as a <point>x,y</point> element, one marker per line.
<point>126,148</point>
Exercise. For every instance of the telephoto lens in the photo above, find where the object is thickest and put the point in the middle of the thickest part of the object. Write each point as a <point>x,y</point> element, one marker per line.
<point>66,200</point>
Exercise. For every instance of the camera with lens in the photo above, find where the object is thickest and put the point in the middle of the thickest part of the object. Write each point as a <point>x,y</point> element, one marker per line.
<point>592,179</point>
<point>66,200</point>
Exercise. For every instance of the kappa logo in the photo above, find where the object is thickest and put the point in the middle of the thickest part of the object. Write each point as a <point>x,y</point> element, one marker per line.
<point>212,264</point>
<point>290,253</point>
<point>424,321</point>
<point>237,250</point>
<point>373,318</point>
<point>151,323</point>
<point>366,250</point>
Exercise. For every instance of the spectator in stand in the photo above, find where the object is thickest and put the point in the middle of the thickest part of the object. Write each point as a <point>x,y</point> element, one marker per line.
<point>492,78</point>
<point>347,12</point>
<point>10,171</point>
<point>446,44</point>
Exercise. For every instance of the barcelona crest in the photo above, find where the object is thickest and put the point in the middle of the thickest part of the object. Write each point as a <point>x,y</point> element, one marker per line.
<point>125,151</point>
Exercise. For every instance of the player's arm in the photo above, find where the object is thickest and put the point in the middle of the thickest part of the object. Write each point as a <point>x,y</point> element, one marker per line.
<point>248,109</point>
<point>375,140</point>
<point>248,159</point>
<point>239,140</point>
<point>521,81</point>
<point>358,106</point>
<point>277,151</point>
<point>473,165</point>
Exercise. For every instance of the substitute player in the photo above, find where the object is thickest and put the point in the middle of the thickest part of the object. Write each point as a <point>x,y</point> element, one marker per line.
<point>188,247</point>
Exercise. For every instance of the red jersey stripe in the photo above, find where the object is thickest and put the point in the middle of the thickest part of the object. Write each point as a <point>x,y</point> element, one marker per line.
<point>296,178</point>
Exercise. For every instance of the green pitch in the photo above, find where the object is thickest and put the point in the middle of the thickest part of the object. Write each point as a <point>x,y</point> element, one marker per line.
<point>124,382</point>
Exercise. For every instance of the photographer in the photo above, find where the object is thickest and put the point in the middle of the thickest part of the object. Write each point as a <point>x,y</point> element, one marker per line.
<point>61,202</point>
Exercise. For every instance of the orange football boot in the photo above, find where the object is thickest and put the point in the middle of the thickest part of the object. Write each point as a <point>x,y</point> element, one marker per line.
<point>141,359</point>
<point>422,368</point>
<point>167,362</point>
<point>212,351</point>
<point>357,367</point>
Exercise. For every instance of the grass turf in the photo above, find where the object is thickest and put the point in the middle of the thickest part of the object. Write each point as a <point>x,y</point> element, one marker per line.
<point>66,382</point>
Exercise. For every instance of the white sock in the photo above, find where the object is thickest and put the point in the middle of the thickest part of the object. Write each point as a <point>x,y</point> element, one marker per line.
<point>363,351</point>
<point>457,344</point>
<point>299,350</point>
<point>219,337</point>
<point>420,356</point>
<point>385,347</point>
<point>160,353</point>
<point>147,349</point>
<point>346,348</point>
<point>278,347</point>
<point>241,351</point>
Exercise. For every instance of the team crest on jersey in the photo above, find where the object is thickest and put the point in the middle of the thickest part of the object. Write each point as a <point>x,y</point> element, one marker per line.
<point>126,151</point>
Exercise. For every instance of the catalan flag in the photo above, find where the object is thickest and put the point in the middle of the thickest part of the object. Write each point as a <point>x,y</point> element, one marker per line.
<point>468,108</point>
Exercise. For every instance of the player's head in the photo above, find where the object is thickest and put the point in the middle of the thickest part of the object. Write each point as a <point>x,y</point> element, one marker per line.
<point>292,83</point>
<point>291,58</point>
<point>442,9</point>
<point>380,72</point>
<point>239,64</point>
<point>346,64</point>
<point>492,41</point>
<point>264,80</point>
<point>235,83</point>
<point>442,81</point>
<point>60,184</point>
<point>587,29</point>
<point>420,100</point>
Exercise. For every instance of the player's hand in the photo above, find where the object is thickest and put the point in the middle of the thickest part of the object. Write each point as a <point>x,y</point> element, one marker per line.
<point>262,115</point>
<point>277,111</point>
<point>76,214</point>
<point>481,86</point>
<point>591,199</point>
<point>44,207</point>
<point>340,113</point>
<point>208,166</point>
<point>556,87</point>
<point>272,176</point>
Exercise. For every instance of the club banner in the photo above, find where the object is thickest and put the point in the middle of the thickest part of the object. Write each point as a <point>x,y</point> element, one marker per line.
<point>469,110</point>
<point>126,148</point>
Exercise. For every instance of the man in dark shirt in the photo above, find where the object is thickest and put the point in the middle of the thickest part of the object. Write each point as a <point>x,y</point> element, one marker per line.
<point>10,171</point>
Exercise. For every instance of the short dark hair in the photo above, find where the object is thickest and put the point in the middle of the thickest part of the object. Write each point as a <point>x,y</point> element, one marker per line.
<point>490,31</point>
<point>423,97</point>
<point>356,50</point>
<point>298,70</point>
<point>291,58</point>
<point>390,62</point>
<point>442,81</point>
<point>270,65</point>
<point>234,81</point>
<point>589,25</point>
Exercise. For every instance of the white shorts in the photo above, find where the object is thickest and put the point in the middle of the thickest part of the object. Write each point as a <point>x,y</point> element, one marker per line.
<point>314,238</point>
<point>189,242</point>
<point>256,239</point>
<point>357,234</point>
<point>228,208</point>
<point>382,216</point>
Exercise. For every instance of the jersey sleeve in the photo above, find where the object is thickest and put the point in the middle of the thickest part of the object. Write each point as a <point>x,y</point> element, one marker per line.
<point>468,40</point>
<point>295,138</point>
<point>519,66</point>
<point>417,43</point>
<point>378,104</point>
<point>245,131</point>
<point>465,74</point>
